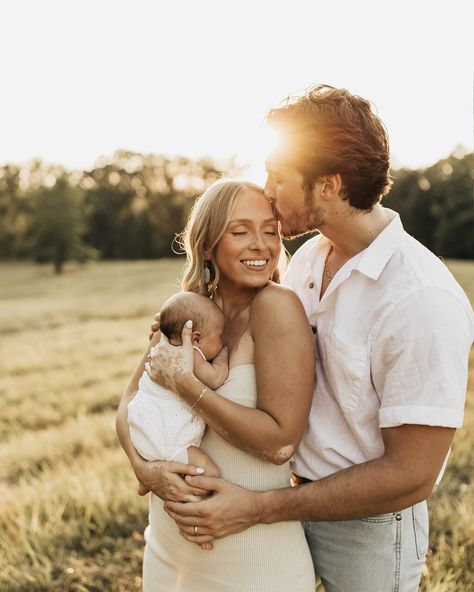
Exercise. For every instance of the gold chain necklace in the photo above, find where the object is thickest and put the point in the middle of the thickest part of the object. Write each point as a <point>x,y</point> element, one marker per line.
<point>327,273</point>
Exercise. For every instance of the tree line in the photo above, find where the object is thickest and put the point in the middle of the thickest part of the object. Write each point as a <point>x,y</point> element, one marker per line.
<point>131,206</point>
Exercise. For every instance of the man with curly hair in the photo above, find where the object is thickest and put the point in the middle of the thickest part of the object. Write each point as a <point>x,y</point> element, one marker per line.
<point>393,331</point>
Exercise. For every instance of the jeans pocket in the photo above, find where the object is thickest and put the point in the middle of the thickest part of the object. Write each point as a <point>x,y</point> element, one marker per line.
<point>420,528</point>
<point>380,518</point>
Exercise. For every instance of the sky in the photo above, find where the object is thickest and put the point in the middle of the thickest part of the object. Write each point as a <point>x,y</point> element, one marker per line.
<point>81,79</point>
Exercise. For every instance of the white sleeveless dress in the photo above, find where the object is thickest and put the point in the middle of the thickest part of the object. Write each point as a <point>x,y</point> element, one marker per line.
<point>263,558</point>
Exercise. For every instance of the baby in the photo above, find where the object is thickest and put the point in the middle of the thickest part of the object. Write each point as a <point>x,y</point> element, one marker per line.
<point>162,426</point>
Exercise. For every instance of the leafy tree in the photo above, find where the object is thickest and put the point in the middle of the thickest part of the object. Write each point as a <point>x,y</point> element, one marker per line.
<point>411,199</point>
<point>58,225</point>
<point>15,214</point>
<point>451,183</point>
<point>436,205</point>
<point>136,204</point>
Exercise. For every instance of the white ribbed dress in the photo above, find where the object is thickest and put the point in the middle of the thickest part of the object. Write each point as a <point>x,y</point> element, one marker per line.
<point>264,558</point>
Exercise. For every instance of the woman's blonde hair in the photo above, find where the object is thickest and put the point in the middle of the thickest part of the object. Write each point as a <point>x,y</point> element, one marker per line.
<point>206,224</point>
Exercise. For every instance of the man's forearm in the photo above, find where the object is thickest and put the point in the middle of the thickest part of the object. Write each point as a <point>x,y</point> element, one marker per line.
<point>403,476</point>
<point>368,489</point>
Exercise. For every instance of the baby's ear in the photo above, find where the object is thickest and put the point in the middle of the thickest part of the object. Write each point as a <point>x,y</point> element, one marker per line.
<point>196,337</point>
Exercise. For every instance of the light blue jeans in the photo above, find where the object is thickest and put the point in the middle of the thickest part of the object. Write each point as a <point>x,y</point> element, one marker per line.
<point>383,553</point>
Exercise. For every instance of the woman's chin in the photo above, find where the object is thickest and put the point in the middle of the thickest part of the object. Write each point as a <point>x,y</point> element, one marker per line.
<point>256,281</point>
<point>250,279</point>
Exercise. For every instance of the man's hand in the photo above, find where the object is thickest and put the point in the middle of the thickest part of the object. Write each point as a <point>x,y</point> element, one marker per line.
<point>164,479</point>
<point>229,510</point>
<point>168,363</point>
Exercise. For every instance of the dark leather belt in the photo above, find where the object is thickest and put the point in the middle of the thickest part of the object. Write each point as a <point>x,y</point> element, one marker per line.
<point>297,480</point>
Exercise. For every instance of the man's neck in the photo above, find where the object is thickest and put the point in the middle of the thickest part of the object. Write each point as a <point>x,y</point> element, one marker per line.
<point>353,231</point>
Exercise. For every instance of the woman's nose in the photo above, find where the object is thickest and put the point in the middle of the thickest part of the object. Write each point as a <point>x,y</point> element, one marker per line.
<point>258,242</point>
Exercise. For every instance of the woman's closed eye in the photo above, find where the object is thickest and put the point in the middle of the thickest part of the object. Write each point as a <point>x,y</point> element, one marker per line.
<point>271,230</point>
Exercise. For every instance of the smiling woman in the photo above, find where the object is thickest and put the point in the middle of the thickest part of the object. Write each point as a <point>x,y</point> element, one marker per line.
<point>255,419</point>
<point>250,248</point>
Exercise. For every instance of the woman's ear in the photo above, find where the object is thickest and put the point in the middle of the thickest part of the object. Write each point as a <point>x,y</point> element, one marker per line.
<point>196,337</point>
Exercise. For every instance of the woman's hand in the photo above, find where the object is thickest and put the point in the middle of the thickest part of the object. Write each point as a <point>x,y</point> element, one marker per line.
<point>169,363</point>
<point>155,326</point>
<point>165,479</point>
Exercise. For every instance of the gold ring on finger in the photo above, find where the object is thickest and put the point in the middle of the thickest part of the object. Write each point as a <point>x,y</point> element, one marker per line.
<point>195,530</point>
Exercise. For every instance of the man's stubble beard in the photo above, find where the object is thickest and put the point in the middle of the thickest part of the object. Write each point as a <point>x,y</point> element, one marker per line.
<point>308,220</point>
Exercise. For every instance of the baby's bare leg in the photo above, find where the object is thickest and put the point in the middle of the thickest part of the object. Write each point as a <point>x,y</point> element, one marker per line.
<point>198,458</point>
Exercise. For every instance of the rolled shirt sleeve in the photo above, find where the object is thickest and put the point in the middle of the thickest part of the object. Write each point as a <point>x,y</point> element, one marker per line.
<point>420,358</point>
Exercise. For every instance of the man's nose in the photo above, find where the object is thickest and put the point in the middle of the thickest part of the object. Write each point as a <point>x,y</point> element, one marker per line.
<point>268,190</point>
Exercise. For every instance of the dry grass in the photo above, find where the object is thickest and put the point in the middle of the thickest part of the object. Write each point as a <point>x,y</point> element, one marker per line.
<point>69,516</point>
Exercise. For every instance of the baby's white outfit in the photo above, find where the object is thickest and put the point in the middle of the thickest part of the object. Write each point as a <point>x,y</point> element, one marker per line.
<point>162,426</point>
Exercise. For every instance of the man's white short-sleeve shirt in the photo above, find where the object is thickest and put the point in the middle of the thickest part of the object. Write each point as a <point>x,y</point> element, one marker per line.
<point>393,333</point>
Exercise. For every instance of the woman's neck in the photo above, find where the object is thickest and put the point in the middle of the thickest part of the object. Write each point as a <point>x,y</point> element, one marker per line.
<point>233,301</point>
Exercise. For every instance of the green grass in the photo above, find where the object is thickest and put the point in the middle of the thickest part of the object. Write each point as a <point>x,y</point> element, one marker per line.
<point>70,520</point>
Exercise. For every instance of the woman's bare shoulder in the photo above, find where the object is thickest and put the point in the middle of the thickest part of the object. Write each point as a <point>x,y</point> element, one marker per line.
<point>275,298</point>
<point>277,312</point>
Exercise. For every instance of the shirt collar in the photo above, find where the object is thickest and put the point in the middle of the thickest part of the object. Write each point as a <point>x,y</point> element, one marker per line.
<point>372,260</point>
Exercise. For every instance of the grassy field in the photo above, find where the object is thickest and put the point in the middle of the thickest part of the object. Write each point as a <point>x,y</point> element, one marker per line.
<point>70,520</point>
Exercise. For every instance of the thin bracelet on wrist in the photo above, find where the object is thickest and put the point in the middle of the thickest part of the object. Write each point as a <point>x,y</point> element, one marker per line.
<point>201,395</point>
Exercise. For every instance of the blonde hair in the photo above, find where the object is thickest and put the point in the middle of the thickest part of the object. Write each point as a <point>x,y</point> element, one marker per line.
<point>206,224</point>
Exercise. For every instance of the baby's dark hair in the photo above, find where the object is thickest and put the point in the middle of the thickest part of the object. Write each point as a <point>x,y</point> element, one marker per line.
<point>182,307</point>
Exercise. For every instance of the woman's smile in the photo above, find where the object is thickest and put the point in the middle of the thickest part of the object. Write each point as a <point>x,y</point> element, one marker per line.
<point>255,264</point>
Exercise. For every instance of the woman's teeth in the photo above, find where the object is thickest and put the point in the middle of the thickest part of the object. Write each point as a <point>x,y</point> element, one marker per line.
<point>255,263</point>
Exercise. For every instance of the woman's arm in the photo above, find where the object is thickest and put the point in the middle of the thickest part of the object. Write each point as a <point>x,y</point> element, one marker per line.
<point>160,477</point>
<point>285,369</point>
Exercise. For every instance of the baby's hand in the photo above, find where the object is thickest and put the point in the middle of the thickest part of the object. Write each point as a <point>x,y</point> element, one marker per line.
<point>221,365</point>
<point>222,358</point>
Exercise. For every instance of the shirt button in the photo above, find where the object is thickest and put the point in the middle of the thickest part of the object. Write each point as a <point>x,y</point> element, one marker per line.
<point>311,285</point>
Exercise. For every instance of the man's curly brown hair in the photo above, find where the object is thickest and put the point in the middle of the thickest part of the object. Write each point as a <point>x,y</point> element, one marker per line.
<point>331,131</point>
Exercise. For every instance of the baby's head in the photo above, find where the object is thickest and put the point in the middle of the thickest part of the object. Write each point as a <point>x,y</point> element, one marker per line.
<point>207,317</point>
